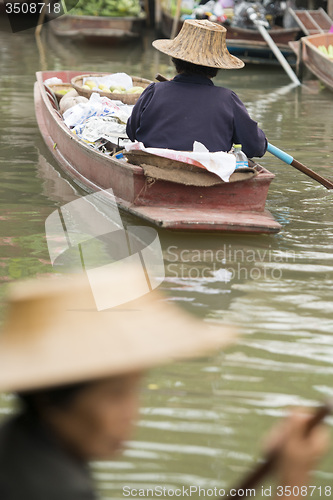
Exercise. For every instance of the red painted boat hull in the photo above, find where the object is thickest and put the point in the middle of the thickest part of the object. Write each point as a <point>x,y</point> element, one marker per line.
<point>231,207</point>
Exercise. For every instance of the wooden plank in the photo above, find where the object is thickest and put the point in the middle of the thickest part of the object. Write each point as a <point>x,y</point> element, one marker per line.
<point>323,19</point>
<point>330,8</point>
<point>206,220</point>
<point>312,22</point>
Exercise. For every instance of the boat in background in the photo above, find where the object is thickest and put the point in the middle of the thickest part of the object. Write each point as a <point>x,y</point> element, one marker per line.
<point>233,207</point>
<point>247,44</point>
<point>318,63</point>
<point>98,29</point>
<point>258,52</point>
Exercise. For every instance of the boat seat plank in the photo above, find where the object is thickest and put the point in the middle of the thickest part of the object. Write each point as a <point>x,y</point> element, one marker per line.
<point>158,167</point>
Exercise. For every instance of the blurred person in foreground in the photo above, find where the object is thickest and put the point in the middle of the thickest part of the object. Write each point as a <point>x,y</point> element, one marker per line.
<point>77,373</point>
<point>188,108</point>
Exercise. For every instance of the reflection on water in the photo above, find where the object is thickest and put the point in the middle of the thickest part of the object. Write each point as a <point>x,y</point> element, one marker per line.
<point>201,420</point>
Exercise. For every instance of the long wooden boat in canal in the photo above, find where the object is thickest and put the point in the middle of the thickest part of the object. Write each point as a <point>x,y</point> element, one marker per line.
<point>98,29</point>
<point>247,44</point>
<point>318,63</point>
<point>237,207</point>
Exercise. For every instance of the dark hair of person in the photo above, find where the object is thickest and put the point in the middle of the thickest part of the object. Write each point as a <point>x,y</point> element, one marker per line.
<point>57,397</point>
<point>193,69</point>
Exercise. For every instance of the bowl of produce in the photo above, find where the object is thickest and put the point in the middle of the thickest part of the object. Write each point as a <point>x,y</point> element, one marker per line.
<point>85,85</point>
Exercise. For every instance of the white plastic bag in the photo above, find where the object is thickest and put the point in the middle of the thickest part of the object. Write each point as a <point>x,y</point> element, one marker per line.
<point>53,81</point>
<point>101,127</point>
<point>96,106</point>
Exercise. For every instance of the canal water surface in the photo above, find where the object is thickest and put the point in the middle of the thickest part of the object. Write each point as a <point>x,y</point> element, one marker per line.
<point>202,422</point>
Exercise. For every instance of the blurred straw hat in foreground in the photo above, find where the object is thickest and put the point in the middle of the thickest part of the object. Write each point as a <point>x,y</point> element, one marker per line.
<point>54,335</point>
<point>200,42</point>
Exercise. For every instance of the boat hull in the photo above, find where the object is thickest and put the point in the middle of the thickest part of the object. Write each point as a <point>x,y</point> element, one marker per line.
<point>320,65</point>
<point>258,52</point>
<point>97,29</point>
<point>234,207</point>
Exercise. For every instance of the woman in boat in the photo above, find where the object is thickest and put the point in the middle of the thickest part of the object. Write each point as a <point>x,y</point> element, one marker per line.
<point>77,373</point>
<point>174,114</point>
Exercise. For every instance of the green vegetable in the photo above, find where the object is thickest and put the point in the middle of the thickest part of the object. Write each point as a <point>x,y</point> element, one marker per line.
<point>327,51</point>
<point>107,8</point>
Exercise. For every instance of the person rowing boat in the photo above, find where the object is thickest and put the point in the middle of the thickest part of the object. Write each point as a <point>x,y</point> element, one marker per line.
<point>190,107</point>
<point>77,373</point>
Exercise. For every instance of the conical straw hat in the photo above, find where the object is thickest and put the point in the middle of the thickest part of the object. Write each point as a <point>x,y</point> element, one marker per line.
<point>54,334</point>
<point>200,42</point>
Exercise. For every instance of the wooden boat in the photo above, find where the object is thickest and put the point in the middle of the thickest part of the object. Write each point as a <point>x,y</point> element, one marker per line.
<point>98,29</point>
<point>319,64</point>
<point>258,52</point>
<point>247,44</point>
<point>237,207</point>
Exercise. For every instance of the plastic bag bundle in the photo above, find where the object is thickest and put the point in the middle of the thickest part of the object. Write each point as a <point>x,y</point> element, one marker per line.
<point>101,127</point>
<point>96,106</point>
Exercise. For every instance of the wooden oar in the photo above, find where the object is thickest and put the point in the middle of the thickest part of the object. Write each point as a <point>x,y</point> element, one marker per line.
<point>41,18</point>
<point>147,11</point>
<point>285,157</point>
<point>176,19</point>
<point>275,49</point>
<point>158,13</point>
<point>258,475</point>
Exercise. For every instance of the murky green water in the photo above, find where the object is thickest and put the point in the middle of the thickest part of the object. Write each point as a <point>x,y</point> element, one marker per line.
<point>202,421</point>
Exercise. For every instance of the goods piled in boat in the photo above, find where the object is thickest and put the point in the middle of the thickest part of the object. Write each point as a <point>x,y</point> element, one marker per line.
<point>97,121</point>
<point>231,11</point>
<point>116,89</point>
<point>70,99</point>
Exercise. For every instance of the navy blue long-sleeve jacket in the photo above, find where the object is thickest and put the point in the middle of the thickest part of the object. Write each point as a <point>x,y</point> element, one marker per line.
<point>190,108</point>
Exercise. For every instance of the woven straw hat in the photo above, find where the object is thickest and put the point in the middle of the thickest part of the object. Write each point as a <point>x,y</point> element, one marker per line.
<point>200,42</point>
<point>54,334</point>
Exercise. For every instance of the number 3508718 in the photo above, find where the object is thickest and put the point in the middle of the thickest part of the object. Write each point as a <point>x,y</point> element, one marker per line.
<point>32,8</point>
<point>304,491</point>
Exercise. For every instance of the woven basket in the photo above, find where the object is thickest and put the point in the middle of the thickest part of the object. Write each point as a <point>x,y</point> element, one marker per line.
<point>77,83</point>
<point>60,86</point>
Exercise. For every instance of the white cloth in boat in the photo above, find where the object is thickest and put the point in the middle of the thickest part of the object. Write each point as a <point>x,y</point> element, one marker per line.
<point>220,163</point>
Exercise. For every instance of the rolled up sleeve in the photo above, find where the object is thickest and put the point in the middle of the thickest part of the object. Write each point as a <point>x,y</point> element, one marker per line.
<point>133,122</point>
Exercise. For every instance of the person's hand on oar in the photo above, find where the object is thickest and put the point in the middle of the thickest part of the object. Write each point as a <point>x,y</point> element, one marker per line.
<point>298,451</point>
<point>292,449</point>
